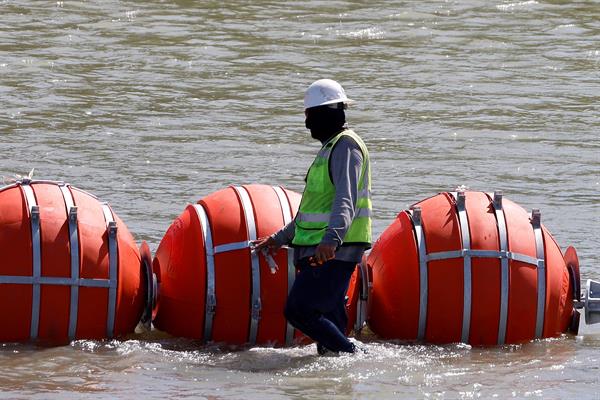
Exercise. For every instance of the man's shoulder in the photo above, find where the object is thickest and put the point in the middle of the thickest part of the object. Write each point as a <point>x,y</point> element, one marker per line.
<point>349,140</point>
<point>350,144</point>
<point>347,147</point>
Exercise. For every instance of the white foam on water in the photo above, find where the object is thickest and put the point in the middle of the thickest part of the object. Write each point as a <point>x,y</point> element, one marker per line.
<point>367,33</point>
<point>513,6</point>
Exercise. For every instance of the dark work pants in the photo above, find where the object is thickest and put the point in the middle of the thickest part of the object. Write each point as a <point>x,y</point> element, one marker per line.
<point>316,303</point>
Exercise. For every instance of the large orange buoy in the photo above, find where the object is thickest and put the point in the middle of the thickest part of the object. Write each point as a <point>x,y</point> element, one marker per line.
<point>469,267</point>
<point>70,268</point>
<point>211,285</point>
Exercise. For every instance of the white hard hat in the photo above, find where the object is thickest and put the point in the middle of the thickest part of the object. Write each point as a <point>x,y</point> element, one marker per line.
<point>323,92</point>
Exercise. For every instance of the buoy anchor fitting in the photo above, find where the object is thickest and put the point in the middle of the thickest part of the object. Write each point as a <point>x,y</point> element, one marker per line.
<point>591,302</point>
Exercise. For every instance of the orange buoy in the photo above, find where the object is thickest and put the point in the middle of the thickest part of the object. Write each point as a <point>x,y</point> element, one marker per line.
<point>469,267</point>
<point>211,285</point>
<point>70,270</point>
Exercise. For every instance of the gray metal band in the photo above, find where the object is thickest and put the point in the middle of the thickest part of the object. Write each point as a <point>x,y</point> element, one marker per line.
<point>524,258</point>
<point>504,268</point>
<point>508,255</point>
<point>34,215</point>
<point>291,269</point>
<point>56,281</point>
<point>361,309</point>
<point>211,298</point>
<point>466,245</point>
<point>74,250</point>
<point>251,228</point>
<point>222,248</point>
<point>113,260</point>
<point>415,214</point>
<point>541,271</point>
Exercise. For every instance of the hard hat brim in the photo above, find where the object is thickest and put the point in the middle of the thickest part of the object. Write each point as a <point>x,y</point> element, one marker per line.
<point>334,101</point>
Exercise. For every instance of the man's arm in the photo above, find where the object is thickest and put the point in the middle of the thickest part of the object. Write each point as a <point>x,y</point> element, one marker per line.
<point>285,235</point>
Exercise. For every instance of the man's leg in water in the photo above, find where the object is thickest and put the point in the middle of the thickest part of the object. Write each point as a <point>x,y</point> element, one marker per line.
<point>316,303</point>
<point>339,317</point>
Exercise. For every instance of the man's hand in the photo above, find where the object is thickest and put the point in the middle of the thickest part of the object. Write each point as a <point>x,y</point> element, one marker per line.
<point>266,243</point>
<point>323,253</point>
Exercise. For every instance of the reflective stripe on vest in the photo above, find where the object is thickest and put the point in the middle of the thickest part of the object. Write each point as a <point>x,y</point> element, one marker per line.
<point>324,217</point>
<point>317,200</point>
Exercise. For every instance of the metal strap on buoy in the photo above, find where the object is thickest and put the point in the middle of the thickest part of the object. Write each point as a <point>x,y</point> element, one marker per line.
<point>536,222</point>
<point>363,297</point>
<point>460,200</point>
<point>291,269</point>
<point>211,300</point>
<point>113,262</point>
<point>496,200</point>
<point>74,250</point>
<point>251,229</point>
<point>34,216</point>
<point>415,214</point>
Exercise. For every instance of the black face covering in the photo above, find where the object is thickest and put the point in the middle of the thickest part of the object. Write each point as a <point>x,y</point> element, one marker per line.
<point>324,122</point>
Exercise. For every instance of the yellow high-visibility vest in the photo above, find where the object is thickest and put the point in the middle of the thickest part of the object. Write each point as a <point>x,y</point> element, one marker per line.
<point>317,200</point>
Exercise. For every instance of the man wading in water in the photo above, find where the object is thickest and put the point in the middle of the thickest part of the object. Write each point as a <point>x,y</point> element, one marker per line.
<point>333,225</point>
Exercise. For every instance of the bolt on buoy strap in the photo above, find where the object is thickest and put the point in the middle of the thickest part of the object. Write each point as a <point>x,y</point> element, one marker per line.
<point>251,229</point>
<point>113,260</point>
<point>34,216</point>
<point>536,223</point>
<point>496,200</point>
<point>75,257</point>
<point>291,269</point>
<point>211,299</point>
<point>415,215</point>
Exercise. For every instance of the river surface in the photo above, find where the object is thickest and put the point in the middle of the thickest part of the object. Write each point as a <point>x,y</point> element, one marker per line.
<point>154,104</point>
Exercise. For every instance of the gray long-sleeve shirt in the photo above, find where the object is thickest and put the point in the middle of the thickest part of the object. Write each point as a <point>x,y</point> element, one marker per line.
<point>345,165</point>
